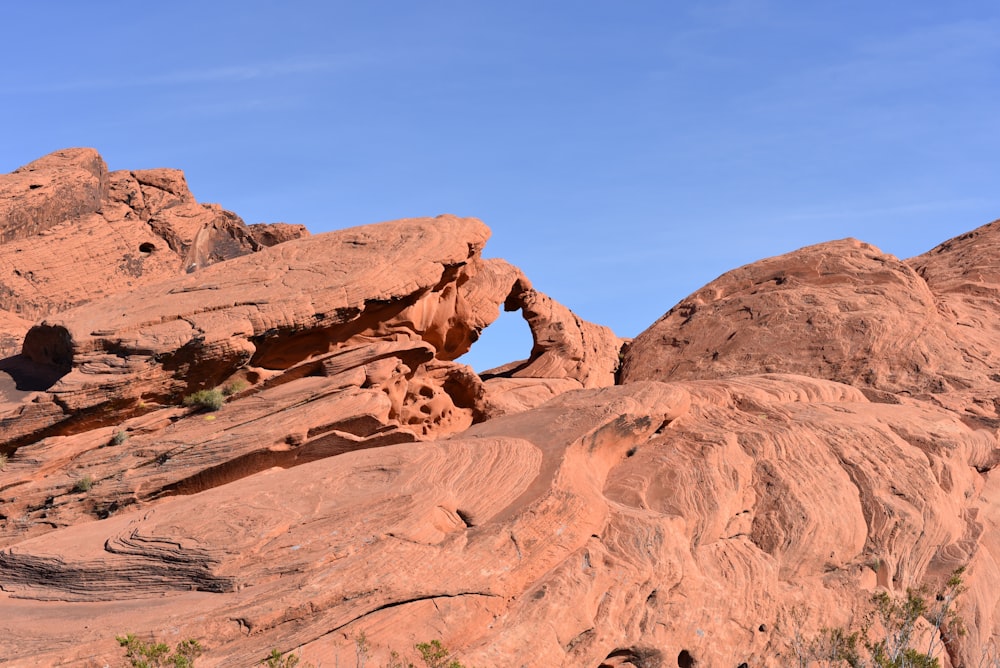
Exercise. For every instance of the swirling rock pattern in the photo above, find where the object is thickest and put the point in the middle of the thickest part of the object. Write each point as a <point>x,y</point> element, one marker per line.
<point>797,435</point>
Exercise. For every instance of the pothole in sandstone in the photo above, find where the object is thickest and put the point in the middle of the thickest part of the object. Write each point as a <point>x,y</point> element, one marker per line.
<point>685,659</point>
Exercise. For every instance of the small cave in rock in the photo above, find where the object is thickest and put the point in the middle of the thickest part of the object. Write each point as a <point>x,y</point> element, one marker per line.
<point>685,659</point>
<point>146,248</point>
<point>466,517</point>
<point>507,339</point>
<point>282,349</point>
<point>633,657</point>
<point>46,356</point>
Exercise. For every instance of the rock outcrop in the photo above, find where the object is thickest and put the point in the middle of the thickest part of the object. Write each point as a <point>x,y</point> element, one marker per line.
<point>568,353</point>
<point>272,234</point>
<point>843,311</point>
<point>60,187</point>
<point>71,232</point>
<point>797,435</point>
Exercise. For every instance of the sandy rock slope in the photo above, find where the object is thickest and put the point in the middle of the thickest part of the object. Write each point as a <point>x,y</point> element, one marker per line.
<point>793,437</point>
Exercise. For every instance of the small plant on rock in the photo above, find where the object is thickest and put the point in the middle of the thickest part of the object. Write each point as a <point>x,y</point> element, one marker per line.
<point>83,484</point>
<point>119,437</point>
<point>235,387</point>
<point>887,636</point>
<point>278,660</point>
<point>898,618</point>
<point>208,399</point>
<point>834,646</point>
<point>361,649</point>
<point>158,655</point>
<point>435,655</point>
<point>3,461</point>
<point>395,661</point>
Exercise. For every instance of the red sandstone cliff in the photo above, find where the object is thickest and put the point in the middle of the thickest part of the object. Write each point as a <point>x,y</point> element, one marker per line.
<point>800,433</point>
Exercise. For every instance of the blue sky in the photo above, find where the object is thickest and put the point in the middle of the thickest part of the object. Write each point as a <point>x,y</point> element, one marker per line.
<point>624,153</point>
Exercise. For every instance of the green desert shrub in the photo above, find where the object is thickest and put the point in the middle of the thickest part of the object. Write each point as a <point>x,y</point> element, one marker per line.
<point>435,655</point>
<point>83,484</point>
<point>119,437</point>
<point>278,660</point>
<point>235,387</point>
<point>208,399</point>
<point>158,655</point>
<point>887,635</point>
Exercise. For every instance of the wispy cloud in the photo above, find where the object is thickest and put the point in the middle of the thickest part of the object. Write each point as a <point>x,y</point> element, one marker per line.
<point>208,75</point>
<point>909,64</point>
<point>907,208</point>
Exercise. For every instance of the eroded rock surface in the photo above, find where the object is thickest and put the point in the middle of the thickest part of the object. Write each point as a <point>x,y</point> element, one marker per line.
<point>797,435</point>
<point>617,520</point>
<point>844,311</point>
<point>272,234</point>
<point>12,331</point>
<point>49,191</point>
<point>71,232</point>
<point>568,353</point>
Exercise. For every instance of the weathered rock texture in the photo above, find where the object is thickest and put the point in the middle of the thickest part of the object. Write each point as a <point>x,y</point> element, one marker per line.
<point>795,436</point>
<point>846,312</point>
<point>272,234</point>
<point>70,232</point>
<point>12,331</point>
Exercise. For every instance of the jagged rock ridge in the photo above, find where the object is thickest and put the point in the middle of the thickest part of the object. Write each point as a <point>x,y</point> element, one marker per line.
<point>794,436</point>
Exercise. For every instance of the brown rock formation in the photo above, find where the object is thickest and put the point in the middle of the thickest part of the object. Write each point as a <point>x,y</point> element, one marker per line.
<point>841,310</point>
<point>49,191</point>
<point>394,283</point>
<point>798,434</point>
<point>71,232</point>
<point>272,234</point>
<point>567,354</point>
<point>646,519</point>
<point>918,334</point>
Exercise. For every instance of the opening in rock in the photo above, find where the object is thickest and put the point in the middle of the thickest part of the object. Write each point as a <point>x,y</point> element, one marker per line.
<point>633,657</point>
<point>685,660</point>
<point>147,247</point>
<point>508,339</point>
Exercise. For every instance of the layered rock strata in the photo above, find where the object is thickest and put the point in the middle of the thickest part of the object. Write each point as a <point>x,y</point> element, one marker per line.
<point>801,433</point>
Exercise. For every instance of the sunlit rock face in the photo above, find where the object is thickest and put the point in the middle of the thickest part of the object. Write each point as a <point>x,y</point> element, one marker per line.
<point>797,435</point>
